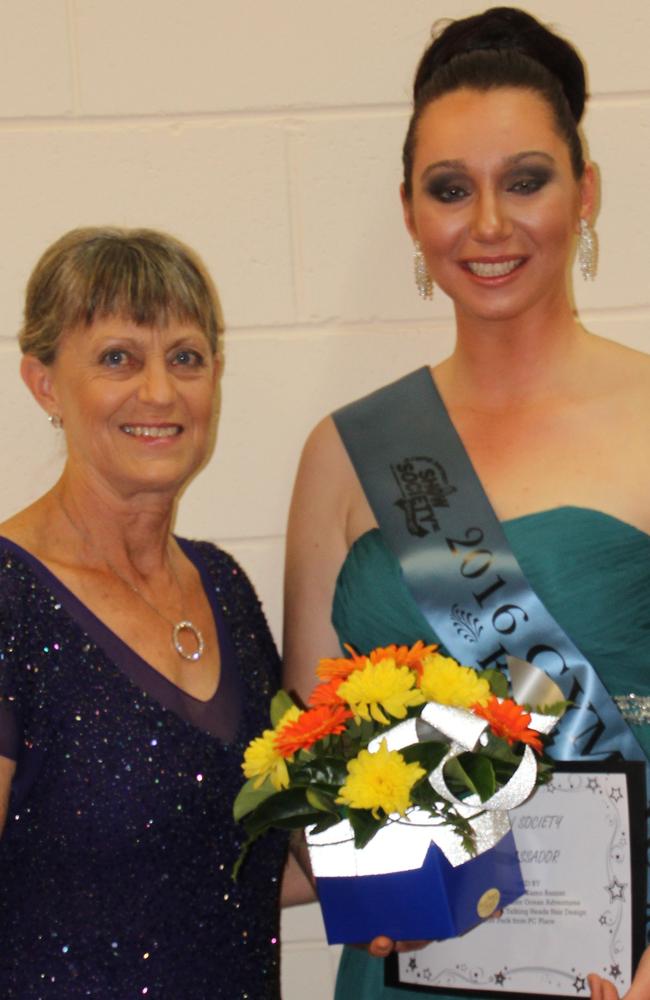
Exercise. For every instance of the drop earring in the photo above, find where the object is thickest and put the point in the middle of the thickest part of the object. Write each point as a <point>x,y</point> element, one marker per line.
<point>587,251</point>
<point>423,281</point>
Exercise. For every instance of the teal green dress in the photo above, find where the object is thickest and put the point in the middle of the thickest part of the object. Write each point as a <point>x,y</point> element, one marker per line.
<point>592,572</point>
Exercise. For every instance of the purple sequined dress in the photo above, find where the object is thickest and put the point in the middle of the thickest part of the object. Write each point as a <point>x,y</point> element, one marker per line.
<point>115,863</point>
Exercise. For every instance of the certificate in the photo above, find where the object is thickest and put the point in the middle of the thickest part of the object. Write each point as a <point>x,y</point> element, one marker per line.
<point>580,841</point>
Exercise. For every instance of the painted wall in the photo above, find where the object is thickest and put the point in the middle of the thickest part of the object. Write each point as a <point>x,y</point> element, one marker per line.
<point>268,136</point>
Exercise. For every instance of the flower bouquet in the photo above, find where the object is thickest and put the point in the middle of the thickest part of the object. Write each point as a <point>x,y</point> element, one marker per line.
<point>402,770</point>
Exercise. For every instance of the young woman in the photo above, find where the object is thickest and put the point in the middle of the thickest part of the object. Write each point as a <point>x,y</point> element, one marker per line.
<point>555,420</point>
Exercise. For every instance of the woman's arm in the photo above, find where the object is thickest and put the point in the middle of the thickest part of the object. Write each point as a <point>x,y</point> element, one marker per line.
<point>323,503</point>
<point>297,882</point>
<point>7,768</point>
<point>316,549</point>
<point>602,989</point>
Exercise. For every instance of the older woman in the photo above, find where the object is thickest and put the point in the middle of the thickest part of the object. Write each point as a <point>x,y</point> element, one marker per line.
<point>553,420</point>
<point>134,665</point>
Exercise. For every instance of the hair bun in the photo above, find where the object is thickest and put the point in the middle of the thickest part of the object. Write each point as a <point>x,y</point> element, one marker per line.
<point>507,29</point>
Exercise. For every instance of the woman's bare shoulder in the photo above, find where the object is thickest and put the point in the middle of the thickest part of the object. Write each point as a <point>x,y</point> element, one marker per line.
<point>324,463</point>
<point>621,371</point>
<point>625,358</point>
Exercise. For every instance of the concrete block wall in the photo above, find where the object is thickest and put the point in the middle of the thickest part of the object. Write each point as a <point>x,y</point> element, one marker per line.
<point>268,137</point>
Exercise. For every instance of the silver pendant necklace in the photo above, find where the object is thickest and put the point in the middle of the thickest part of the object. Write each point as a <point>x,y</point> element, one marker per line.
<point>178,628</point>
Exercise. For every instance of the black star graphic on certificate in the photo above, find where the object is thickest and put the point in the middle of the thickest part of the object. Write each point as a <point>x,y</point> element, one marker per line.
<point>499,978</point>
<point>412,964</point>
<point>614,971</point>
<point>602,919</point>
<point>579,984</point>
<point>616,890</point>
<point>616,794</point>
<point>592,784</point>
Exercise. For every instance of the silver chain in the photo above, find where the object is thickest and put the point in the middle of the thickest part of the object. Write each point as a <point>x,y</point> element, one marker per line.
<point>185,625</point>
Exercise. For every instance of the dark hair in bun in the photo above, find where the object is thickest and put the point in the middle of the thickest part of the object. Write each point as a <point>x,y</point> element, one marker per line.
<point>503,47</point>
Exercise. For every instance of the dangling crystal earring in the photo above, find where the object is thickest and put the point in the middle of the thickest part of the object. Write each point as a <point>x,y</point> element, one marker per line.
<point>423,281</point>
<point>587,251</point>
<point>55,420</point>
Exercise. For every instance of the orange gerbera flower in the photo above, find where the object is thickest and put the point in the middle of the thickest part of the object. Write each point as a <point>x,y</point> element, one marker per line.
<point>404,656</point>
<point>327,693</point>
<point>341,666</point>
<point>312,726</point>
<point>509,721</point>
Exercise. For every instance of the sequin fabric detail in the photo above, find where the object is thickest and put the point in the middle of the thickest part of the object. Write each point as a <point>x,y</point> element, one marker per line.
<point>117,853</point>
<point>634,708</point>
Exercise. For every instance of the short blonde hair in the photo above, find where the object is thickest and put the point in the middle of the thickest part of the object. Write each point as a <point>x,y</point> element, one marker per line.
<point>143,275</point>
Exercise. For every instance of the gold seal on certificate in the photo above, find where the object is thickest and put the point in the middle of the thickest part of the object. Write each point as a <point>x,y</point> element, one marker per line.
<point>488,903</point>
<point>580,845</point>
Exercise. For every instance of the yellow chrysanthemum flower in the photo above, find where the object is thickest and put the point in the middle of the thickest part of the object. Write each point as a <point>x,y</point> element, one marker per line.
<point>381,780</point>
<point>261,758</point>
<point>380,686</point>
<point>445,681</point>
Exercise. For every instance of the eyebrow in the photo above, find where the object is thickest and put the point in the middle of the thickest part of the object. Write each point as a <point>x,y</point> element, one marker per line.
<point>508,161</point>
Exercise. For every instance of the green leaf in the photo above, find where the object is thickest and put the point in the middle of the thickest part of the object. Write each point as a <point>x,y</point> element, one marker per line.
<point>480,771</point>
<point>280,703</point>
<point>320,770</point>
<point>288,809</point>
<point>249,797</point>
<point>458,779</point>
<point>498,682</point>
<point>325,822</point>
<point>242,857</point>
<point>365,731</point>
<point>498,749</point>
<point>427,754</point>
<point>321,800</point>
<point>424,796</point>
<point>364,825</point>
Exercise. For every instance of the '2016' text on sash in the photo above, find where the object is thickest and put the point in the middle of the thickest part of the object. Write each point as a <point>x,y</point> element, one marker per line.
<point>457,563</point>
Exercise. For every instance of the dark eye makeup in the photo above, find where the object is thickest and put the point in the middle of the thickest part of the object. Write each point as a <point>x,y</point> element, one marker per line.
<point>524,179</point>
<point>447,187</point>
<point>528,180</point>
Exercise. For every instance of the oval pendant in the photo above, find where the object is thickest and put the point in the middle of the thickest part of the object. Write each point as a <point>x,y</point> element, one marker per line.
<point>186,626</point>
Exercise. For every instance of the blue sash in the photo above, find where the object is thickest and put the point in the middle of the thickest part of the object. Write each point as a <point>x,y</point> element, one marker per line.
<point>457,563</point>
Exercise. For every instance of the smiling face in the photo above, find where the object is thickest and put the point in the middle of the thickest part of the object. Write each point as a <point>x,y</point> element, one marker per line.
<point>495,204</point>
<point>136,402</point>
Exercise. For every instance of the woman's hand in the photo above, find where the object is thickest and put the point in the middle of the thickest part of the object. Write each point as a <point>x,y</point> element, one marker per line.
<point>7,768</point>
<point>602,989</point>
<point>382,947</point>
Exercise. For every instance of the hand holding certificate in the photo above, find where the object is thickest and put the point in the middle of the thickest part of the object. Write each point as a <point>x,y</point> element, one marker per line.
<point>602,989</point>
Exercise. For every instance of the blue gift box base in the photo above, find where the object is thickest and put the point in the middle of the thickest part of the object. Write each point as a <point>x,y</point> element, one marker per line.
<point>433,902</point>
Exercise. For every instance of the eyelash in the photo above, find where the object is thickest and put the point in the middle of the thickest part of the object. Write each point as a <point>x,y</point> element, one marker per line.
<point>448,193</point>
<point>529,184</point>
<point>118,358</point>
<point>108,358</point>
<point>197,360</point>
